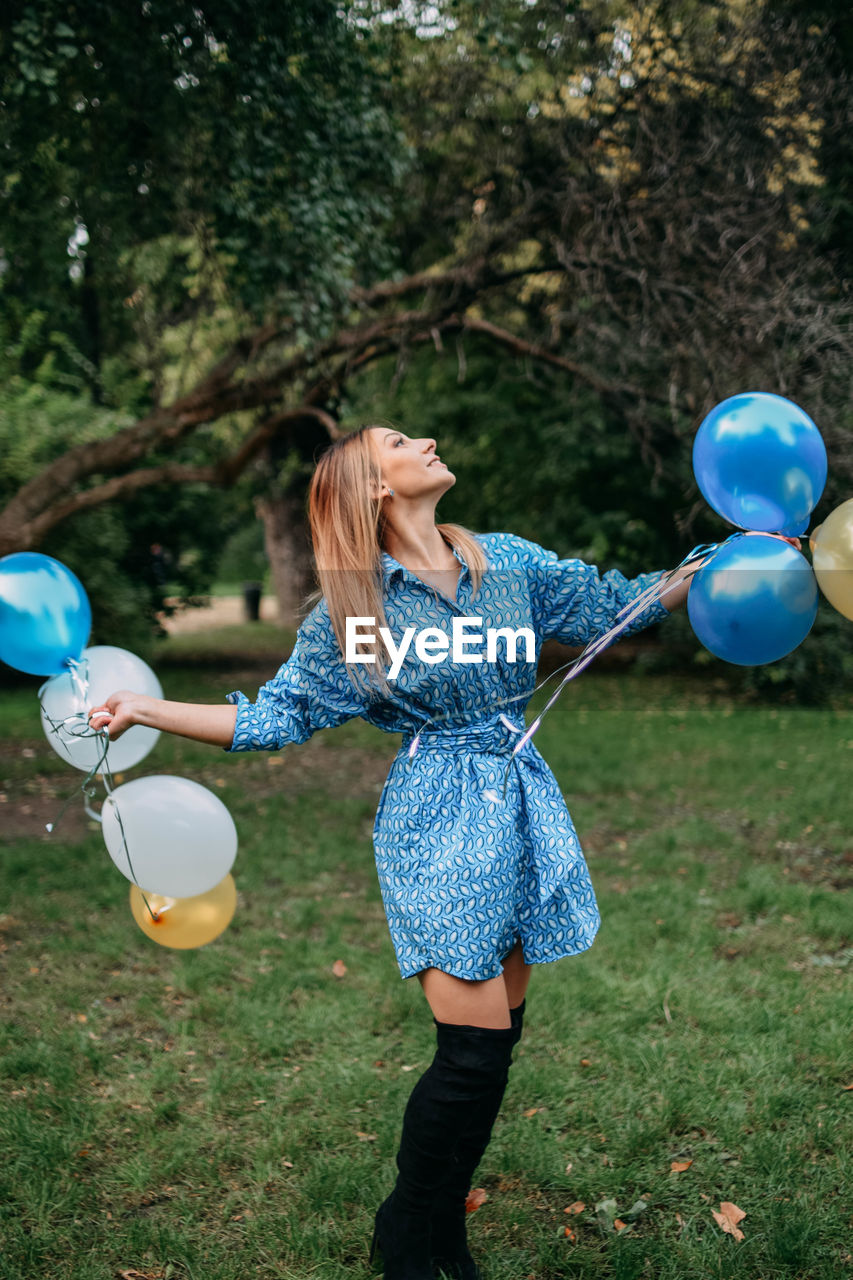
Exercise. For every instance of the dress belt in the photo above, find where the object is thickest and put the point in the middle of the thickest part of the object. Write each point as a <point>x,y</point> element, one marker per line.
<point>494,736</point>
<point>556,850</point>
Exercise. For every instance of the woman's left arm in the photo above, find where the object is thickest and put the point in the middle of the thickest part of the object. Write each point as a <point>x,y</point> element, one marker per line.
<point>676,598</point>
<point>574,602</point>
<point>679,585</point>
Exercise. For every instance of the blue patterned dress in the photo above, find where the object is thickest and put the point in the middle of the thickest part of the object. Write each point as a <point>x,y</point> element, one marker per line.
<point>465,869</point>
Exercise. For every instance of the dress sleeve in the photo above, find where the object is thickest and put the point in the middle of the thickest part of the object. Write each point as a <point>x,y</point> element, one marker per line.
<point>574,603</point>
<point>310,691</point>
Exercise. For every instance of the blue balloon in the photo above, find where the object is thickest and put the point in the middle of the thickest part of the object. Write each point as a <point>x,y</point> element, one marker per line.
<point>45,615</point>
<point>754,601</point>
<point>760,462</point>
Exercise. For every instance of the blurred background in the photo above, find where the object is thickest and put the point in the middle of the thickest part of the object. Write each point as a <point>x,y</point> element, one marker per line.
<point>551,235</point>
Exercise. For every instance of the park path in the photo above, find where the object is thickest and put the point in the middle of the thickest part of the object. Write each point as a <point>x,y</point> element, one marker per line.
<point>223,611</point>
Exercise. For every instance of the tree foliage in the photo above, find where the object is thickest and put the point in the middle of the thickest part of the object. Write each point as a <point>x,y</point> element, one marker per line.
<point>172,148</point>
<point>605,215</point>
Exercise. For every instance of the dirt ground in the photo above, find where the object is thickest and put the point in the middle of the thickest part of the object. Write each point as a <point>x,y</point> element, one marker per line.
<point>223,611</point>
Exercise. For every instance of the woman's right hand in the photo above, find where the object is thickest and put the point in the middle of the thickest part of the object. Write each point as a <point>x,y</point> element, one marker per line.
<point>120,711</point>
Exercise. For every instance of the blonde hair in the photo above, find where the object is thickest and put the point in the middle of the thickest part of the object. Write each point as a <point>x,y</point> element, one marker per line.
<point>347,519</point>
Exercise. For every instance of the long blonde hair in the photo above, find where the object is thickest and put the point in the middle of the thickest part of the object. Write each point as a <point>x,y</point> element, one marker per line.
<point>347,518</point>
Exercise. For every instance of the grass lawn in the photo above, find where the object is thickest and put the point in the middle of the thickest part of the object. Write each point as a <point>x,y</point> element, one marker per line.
<point>233,1112</point>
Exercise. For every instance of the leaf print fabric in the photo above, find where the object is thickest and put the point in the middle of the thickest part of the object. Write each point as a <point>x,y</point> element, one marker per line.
<point>464,871</point>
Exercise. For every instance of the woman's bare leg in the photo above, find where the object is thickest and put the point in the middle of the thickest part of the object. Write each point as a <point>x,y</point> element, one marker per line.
<point>477,1004</point>
<point>516,976</point>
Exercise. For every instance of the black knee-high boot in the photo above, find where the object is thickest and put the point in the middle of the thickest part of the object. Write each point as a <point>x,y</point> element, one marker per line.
<point>469,1065</point>
<point>448,1230</point>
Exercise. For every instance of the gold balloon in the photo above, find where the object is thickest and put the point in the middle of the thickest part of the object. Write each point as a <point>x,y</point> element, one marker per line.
<point>185,922</point>
<point>832,557</point>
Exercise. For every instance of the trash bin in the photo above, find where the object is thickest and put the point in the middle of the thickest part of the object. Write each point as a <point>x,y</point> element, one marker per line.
<point>252,601</point>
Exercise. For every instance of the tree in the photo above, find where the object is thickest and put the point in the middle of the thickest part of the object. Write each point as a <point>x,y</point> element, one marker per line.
<point>170,147</point>
<point>632,194</point>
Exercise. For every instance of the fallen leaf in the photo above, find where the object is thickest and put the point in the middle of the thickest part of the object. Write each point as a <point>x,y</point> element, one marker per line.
<point>569,1167</point>
<point>728,1218</point>
<point>679,1166</point>
<point>585,1062</point>
<point>570,1235</point>
<point>619,1224</point>
<point>365,1137</point>
<point>577,1207</point>
<point>846,1088</point>
<point>531,1111</point>
<point>476,1197</point>
<point>339,969</point>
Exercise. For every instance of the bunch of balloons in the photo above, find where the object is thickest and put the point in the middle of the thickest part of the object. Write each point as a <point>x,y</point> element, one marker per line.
<point>760,462</point>
<point>172,838</point>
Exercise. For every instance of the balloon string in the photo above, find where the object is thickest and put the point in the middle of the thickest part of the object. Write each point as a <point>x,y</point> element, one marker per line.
<point>76,726</point>
<point>624,618</point>
<point>99,765</point>
<point>155,916</point>
<point>575,665</point>
<point>79,673</point>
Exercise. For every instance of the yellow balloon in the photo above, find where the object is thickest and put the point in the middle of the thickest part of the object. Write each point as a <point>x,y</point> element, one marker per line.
<point>185,922</point>
<point>832,557</point>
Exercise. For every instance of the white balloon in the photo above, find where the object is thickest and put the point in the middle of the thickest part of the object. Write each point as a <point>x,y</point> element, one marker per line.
<point>66,699</point>
<point>180,837</point>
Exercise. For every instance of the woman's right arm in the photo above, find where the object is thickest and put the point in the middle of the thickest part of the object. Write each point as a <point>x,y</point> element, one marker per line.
<point>310,691</point>
<point>202,723</point>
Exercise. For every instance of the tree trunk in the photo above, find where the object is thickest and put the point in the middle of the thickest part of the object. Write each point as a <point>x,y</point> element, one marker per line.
<point>288,548</point>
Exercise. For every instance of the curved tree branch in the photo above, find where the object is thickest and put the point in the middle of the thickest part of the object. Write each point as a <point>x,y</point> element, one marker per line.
<point>224,472</point>
<point>313,373</point>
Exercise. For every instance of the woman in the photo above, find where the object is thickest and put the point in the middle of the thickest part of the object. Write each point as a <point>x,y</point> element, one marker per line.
<point>479,864</point>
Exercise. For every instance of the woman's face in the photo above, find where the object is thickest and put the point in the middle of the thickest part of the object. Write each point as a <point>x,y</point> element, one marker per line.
<point>410,467</point>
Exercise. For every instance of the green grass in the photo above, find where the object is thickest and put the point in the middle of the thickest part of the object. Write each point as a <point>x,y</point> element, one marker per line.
<point>234,1111</point>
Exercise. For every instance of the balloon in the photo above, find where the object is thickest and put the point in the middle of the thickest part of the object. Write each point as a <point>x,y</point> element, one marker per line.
<point>185,922</point>
<point>45,615</point>
<point>66,699</point>
<point>832,557</point>
<point>760,462</point>
<point>180,837</point>
<point>754,601</point>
